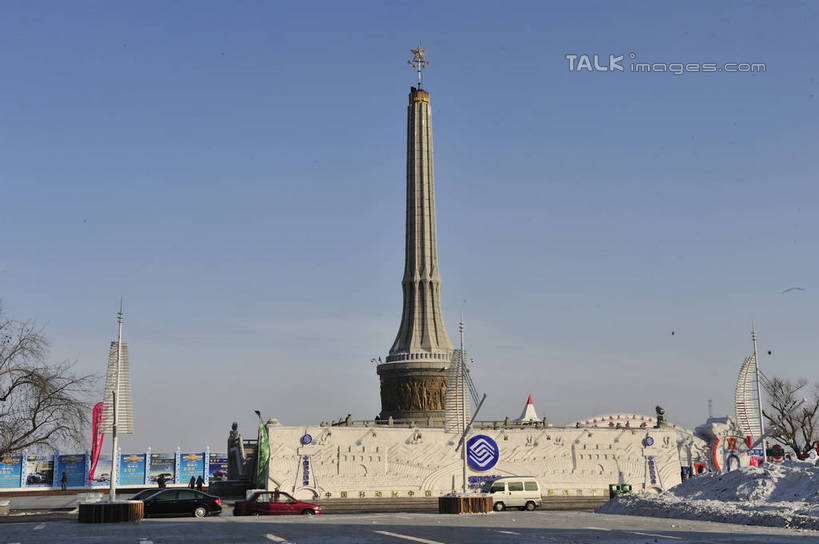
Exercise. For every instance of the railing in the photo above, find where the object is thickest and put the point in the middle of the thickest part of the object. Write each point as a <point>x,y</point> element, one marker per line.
<point>428,423</point>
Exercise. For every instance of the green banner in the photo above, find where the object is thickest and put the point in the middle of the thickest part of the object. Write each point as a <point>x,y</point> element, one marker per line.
<point>263,457</point>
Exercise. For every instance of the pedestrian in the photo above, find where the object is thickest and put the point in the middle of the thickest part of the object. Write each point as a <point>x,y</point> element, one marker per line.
<point>192,483</point>
<point>63,481</point>
<point>161,481</point>
<point>199,483</point>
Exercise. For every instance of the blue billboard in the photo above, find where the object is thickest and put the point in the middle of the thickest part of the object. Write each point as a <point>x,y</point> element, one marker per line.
<point>73,466</point>
<point>131,469</point>
<point>11,470</point>
<point>191,465</point>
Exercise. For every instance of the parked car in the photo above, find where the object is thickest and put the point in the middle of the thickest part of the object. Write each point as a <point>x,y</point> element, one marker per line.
<point>514,491</point>
<point>181,502</point>
<point>273,503</point>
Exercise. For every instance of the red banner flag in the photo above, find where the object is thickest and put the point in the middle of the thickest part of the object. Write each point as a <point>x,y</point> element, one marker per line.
<point>96,440</point>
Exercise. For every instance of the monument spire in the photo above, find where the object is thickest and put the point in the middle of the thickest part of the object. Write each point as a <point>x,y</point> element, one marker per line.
<point>413,378</point>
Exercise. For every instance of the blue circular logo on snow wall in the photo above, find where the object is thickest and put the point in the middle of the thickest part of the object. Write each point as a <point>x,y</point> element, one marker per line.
<point>481,452</point>
<point>306,439</point>
<point>648,441</point>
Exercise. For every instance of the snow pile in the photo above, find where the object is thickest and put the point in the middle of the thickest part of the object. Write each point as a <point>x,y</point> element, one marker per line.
<point>784,495</point>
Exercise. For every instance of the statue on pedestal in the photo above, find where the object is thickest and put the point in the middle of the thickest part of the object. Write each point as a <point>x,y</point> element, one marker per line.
<point>236,457</point>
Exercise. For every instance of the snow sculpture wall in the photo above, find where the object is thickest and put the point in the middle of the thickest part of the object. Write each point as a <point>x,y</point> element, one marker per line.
<point>357,461</point>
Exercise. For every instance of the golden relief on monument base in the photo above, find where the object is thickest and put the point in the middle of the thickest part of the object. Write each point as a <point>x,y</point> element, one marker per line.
<point>413,394</point>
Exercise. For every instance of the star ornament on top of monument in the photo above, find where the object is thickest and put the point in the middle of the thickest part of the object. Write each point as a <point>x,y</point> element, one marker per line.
<point>418,61</point>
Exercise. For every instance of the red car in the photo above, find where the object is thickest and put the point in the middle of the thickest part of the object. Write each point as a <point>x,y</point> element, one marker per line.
<point>273,503</point>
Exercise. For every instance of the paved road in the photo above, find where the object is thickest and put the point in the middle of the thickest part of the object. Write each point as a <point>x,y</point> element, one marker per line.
<point>495,528</point>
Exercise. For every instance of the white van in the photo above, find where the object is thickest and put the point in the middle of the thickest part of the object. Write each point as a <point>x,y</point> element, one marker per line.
<point>514,491</point>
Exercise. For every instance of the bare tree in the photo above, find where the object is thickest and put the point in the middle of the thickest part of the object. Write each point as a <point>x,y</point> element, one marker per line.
<point>41,404</point>
<point>794,424</point>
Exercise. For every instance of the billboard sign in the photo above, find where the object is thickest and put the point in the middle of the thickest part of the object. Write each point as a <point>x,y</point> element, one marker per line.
<point>102,474</point>
<point>218,467</point>
<point>132,469</point>
<point>11,470</point>
<point>162,463</point>
<point>39,470</point>
<point>73,466</point>
<point>191,465</point>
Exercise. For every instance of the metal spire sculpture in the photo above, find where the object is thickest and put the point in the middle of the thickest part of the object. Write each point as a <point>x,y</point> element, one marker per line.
<point>118,415</point>
<point>460,387</point>
<point>418,61</point>
<point>456,412</point>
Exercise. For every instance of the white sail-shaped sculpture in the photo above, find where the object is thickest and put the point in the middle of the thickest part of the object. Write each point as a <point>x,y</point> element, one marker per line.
<point>457,394</point>
<point>118,379</point>
<point>747,400</point>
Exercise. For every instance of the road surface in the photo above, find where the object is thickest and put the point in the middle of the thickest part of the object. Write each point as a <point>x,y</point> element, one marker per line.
<point>396,528</point>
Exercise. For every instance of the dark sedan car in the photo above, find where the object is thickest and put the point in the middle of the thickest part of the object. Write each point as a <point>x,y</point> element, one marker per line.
<point>273,503</point>
<point>181,502</point>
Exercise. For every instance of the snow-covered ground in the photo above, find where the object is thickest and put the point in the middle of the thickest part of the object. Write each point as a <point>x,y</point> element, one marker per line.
<point>784,495</point>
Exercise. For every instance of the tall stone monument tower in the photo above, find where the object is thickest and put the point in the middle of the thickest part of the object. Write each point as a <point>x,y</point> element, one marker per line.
<point>414,376</point>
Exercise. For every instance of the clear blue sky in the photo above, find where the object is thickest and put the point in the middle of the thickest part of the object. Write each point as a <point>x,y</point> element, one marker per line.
<point>236,172</point>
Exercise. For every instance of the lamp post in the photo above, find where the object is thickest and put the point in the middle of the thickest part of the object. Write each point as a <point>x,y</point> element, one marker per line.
<point>462,385</point>
<point>112,491</point>
<point>759,394</point>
